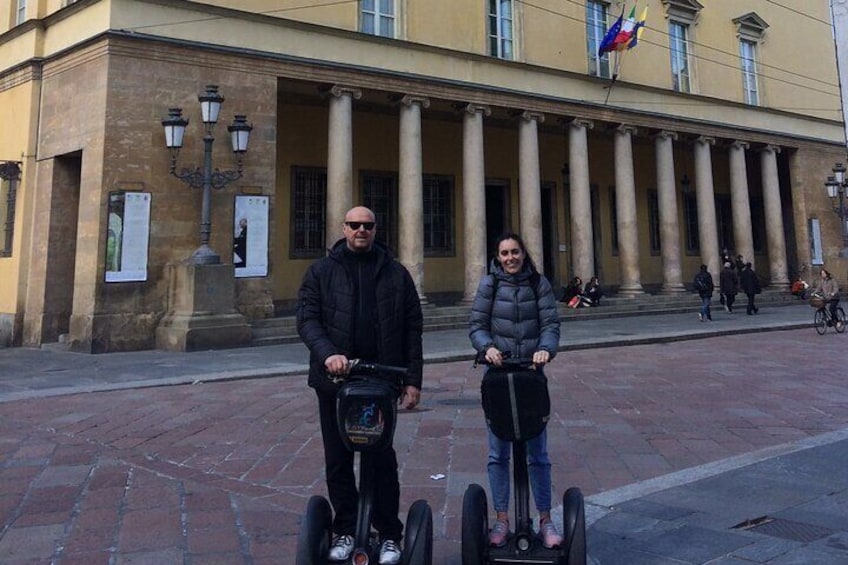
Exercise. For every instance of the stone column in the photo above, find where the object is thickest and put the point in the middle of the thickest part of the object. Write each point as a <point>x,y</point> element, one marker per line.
<point>582,235</point>
<point>474,197</point>
<point>411,188</point>
<point>667,203</point>
<point>774,218</point>
<point>740,202</point>
<point>705,197</point>
<point>339,160</point>
<point>529,186</point>
<point>625,209</point>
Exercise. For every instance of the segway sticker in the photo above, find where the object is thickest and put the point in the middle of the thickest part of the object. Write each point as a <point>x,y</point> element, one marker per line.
<point>364,422</point>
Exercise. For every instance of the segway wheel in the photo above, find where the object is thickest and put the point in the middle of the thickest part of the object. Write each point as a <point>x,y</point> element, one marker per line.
<point>418,542</point>
<point>574,527</point>
<point>475,526</point>
<point>313,541</point>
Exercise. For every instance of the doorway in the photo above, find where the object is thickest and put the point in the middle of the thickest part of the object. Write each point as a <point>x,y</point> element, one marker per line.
<point>497,212</point>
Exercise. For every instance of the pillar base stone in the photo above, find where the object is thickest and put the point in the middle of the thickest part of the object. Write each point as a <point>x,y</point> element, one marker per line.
<point>202,313</point>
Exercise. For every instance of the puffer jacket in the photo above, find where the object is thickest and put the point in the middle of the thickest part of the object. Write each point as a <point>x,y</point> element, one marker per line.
<point>515,320</point>
<point>326,315</point>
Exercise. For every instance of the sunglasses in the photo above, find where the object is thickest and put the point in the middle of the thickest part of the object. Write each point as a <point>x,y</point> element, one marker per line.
<point>356,225</point>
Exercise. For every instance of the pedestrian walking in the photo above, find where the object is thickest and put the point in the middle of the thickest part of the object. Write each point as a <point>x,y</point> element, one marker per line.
<point>750,286</point>
<point>728,283</point>
<point>704,285</point>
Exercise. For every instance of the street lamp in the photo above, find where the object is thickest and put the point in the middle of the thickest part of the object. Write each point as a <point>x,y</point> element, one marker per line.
<point>204,177</point>
<point>836,188</point>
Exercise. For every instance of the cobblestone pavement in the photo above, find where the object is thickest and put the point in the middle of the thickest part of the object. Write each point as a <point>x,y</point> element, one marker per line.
<point>220,472</point>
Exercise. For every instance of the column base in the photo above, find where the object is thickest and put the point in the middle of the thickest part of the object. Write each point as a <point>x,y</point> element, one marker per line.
<point>630,290</point>
<point>673,288</point>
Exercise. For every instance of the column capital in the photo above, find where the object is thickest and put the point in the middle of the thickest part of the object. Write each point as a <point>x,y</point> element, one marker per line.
<point>770,148</point>
<point>577,123</point>
<point>705,139</point>
<point>738,144</point>
<point>338,91</point>
<point>473,108</point>
<point>410,99</point>
<point>666,134</point>
<point>626,129</point>
<point>529,115</point>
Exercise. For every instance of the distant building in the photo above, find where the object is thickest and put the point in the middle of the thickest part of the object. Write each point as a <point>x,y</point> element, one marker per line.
<point>453,119</point>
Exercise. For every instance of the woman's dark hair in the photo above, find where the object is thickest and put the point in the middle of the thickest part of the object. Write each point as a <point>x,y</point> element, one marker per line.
<point>517,238</point>
<point>827,274</point>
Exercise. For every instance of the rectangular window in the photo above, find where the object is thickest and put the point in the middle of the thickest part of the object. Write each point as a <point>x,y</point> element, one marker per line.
<point>10,176</point>
<point>654,221</point>
<point>748,56</point>
<point>690,216</point>
<point>724,221</point>
<point>20,12</point>
<point>309,202</point>
<point>679,43</point>
<point>438,216</point>
<point>758,225</point>
<point>379,192</point>
<point>613,221</point>
<point>500,29</point>
<point>377,17</point>
<point>596,28</point>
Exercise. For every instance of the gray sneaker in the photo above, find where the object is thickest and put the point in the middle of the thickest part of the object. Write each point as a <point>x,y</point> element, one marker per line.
<point>390,553</point>
<point>342,548</point>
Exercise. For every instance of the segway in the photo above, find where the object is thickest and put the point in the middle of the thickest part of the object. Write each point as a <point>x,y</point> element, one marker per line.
<point>366,406</point>
<point>517,407</point>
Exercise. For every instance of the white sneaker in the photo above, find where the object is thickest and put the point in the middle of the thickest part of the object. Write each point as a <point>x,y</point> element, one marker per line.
<point>390,553</point>
<point>342,548</point>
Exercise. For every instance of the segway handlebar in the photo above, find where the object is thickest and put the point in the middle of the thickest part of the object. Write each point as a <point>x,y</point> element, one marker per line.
<point>507,360</point>
<point>358,367</point>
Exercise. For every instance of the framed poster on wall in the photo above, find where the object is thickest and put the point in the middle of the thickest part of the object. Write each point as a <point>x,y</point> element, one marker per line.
<point>816,256</point>
<point>250,236</point>
<point>127,236</point>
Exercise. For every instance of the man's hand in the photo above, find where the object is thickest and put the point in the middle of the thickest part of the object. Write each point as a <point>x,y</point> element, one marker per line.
<point>410,398</point>
<point>336,364</point>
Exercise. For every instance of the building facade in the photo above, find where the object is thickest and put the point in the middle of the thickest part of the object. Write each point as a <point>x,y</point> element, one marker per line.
<point>454,120</point>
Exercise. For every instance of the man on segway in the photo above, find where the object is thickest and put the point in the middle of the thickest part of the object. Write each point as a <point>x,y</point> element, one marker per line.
<point>359,302</point>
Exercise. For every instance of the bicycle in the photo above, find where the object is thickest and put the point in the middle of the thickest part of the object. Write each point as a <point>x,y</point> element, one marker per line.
<point>822,318</point>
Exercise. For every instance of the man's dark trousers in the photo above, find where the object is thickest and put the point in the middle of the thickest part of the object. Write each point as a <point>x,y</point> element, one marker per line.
<point>341,481</point>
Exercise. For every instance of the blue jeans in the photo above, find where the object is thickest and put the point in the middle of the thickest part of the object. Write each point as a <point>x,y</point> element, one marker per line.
<point>705,307</point>
<point>539,471</point>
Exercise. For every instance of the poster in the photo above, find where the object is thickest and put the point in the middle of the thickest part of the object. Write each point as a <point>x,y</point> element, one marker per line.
<point>816,257</point>
<point>127,236</point>
<point>250,236</point>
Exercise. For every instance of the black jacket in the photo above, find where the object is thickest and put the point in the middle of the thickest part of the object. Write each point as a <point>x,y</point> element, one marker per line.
<point>704,284</point>
<point>326,315</point>
<point>728,281</point>
<point>749,281</point>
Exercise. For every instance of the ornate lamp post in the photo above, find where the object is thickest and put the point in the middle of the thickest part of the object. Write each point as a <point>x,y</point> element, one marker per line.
<point>837,187</point>
<point>205,177</point>
<point>9,171</point>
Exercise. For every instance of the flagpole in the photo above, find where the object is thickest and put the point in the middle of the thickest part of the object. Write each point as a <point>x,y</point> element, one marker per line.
<point>618,57</point>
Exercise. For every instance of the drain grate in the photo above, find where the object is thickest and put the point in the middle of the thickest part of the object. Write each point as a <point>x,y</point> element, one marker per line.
<point>785,529</point>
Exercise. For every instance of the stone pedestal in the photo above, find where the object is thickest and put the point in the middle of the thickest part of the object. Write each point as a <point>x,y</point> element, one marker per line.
<point>201,314</point>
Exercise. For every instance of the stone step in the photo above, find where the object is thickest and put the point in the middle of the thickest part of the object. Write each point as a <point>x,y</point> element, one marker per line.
<point>282,330</point>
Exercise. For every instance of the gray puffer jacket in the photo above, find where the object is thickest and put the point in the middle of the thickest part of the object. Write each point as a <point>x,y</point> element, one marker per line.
<point>517,320</point>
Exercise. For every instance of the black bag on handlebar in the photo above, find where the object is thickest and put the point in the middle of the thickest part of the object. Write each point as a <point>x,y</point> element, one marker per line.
<point>367,411</point>
<point>516,402</point>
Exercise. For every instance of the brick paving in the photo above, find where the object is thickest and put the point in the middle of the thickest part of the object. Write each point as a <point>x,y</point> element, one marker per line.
<point>220,472</point>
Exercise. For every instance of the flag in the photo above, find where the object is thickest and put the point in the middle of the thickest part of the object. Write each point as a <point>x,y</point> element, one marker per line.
<point>608,42</point>
<point>638,28</point>
<point>626,32</point>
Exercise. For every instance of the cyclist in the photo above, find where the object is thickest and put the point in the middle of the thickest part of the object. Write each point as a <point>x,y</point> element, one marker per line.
<point>830,290</point>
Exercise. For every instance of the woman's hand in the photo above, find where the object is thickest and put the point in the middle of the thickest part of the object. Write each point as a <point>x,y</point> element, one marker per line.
<point>540,358</point>
<point>494,357</point>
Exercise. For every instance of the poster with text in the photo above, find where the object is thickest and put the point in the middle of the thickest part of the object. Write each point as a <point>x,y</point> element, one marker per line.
<point>816,256</point>
<point>250,236</point>
<point>127,236</point>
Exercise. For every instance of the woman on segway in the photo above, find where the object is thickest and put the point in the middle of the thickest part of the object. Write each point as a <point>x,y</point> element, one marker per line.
<point>515,311</point>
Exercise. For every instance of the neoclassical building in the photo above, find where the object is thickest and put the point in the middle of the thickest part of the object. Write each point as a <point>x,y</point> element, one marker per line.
<point>454,120</point>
